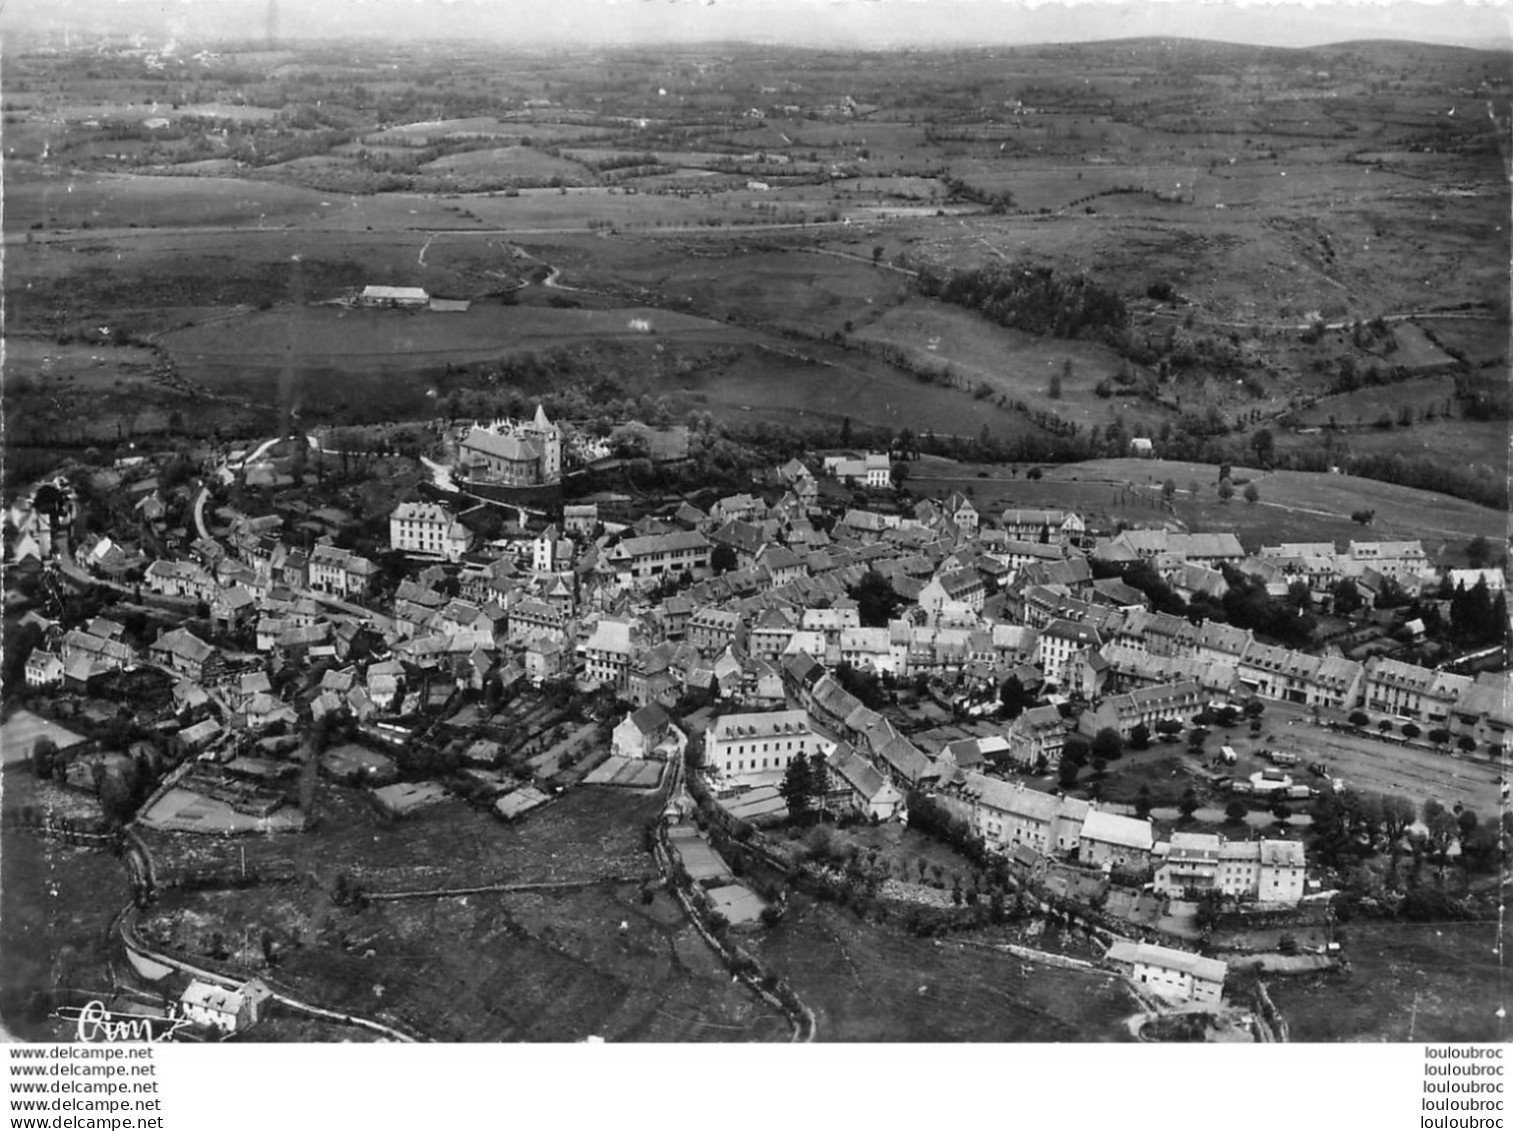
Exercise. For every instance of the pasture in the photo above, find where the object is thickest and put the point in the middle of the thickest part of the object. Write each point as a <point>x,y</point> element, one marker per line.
<point>514,163</point>
<point>531,965</point>
<point>1475,443</point>
<point>898,987</point>
<point>57,903</point>
<point>818,294</point>
<point>1421,981</point>
<point>1363,407</point>
<point>778,386</point>
<point>1013,364</point>
<point>1293,499</point>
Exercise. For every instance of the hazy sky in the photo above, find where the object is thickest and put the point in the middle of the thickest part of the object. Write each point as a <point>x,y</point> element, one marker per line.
<point>863,23</point>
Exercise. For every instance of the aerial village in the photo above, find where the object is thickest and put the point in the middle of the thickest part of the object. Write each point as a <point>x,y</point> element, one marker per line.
<point>822,647</point>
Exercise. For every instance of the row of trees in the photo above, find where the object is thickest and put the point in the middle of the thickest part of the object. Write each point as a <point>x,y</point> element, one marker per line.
<point>1350,827</point>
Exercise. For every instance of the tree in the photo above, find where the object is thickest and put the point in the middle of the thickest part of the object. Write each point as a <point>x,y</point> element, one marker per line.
<point>1013,698</point>
<point>1263,444</point>
<point>819,779</point>
<point>1226,489</point>
<point>797,787</point>
<point>1442,827</point>
<point>1074,755</point>
<point>1066,773</point>
<point>1300,596</point>
<point>1252,492</point>
<point>1168,728</point>
<point>1394,813</point>
<point>1169,490</point>
<point>19,643</point>
<point>1235,812</point>
<point>1280,811</point>
<point>1466,743</point>
<point>1347,597</point>
<point>1478,552</point>
<point>876,601</point>
<point>1054,391</point>
<point>1187,804</point>
<point>723,559</point>
<point>1108,745</point>
<point>1411,731</point>
<point>1140,737</point>
<point>1143,802</point>
<point>1439,736</point>
<point>1467,821</point>
<point>1359,718</point>
<point>44,753</point>
<point>117,794</point>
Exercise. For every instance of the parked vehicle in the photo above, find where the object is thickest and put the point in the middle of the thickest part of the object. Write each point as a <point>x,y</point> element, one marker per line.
<point>1283,757</point>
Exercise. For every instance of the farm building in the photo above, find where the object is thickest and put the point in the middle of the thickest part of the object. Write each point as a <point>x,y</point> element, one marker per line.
<point>520,802</point>
<point>403,798</point>
<point>223,1008</point>
<point>1172,974</point>
<point>412,297</point>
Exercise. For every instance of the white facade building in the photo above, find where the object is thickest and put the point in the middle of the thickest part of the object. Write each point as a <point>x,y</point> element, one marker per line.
<point>757,748</point>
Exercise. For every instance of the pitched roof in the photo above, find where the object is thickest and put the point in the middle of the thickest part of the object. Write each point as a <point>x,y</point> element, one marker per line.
<point>650,718</point>
<point>1112,828</point>
<point>507,447</point>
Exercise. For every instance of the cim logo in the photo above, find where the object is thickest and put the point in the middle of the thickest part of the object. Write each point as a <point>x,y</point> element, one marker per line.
<point>96,1024</point>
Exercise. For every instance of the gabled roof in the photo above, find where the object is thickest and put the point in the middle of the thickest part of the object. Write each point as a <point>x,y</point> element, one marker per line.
<point>506,447</point>
<point>650,719</point>
<point>184,644</point>
<point>1123,832</point>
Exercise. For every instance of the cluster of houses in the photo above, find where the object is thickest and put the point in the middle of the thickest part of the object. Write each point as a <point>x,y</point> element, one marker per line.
<point>750,603</point>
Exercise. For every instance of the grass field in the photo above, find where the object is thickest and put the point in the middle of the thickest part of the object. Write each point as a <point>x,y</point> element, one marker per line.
<point>589,834</point>
<point>543,966</point>
<point>55,903</point>
<point>1290,497</point>
<point>1483,341</point>
<point>818,294</point>
<point>552,966</point>
<point>1424,982</point>
<point>1475,443</point>
<point>483,167</point>
<point>1362,407</point>
<point>1294,506</point>
<point>867,982</point>
<point>1015,364</point>
<point>779,387</point>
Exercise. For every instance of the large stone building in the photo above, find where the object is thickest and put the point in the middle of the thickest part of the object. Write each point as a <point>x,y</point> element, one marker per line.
<point>514,453</point>
<point>757,748</point>
<point>429,529</point>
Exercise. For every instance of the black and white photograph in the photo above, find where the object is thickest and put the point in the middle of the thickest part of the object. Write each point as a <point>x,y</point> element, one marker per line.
<point>752,522</point>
